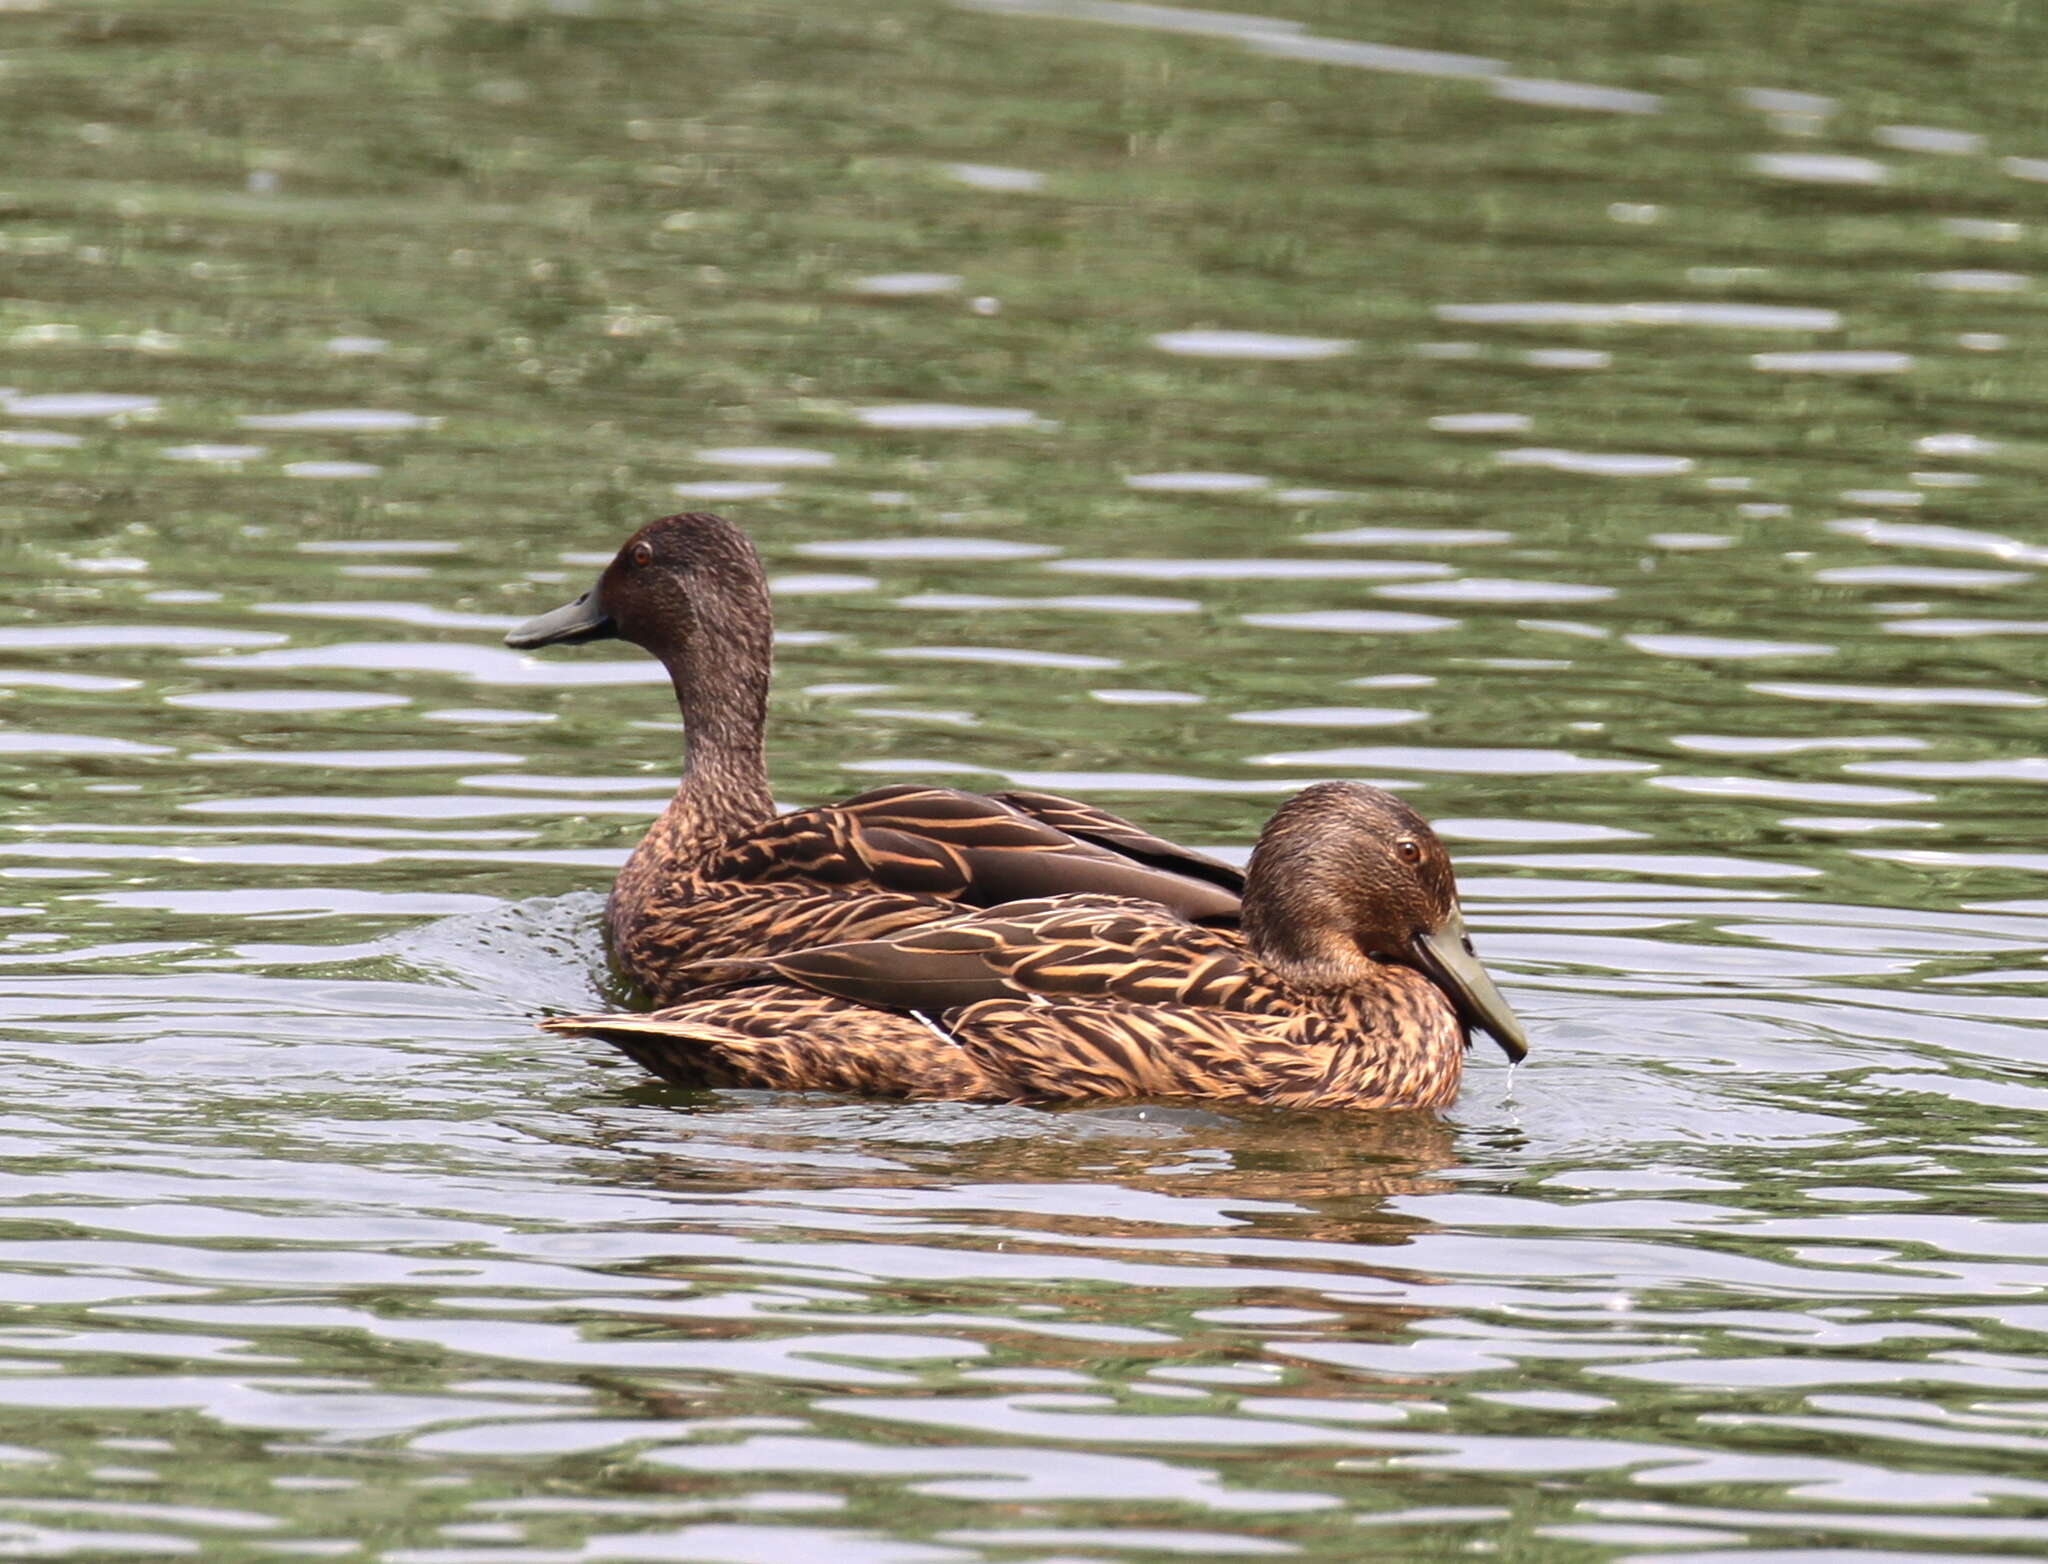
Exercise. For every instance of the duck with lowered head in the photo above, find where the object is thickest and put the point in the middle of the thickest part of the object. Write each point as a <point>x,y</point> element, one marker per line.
<point>1351,984</point>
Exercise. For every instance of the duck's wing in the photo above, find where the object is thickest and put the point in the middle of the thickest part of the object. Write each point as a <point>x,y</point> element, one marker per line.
<point>790,1039</point>
<point>1073,1052</point>
<point>959,846</point>
<point>723,920</point>
<point>1086,823</point>
<point>1078,947</point>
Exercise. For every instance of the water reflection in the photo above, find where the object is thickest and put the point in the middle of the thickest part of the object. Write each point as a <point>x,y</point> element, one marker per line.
<point>1249,344</point>
<point>1740,317</point>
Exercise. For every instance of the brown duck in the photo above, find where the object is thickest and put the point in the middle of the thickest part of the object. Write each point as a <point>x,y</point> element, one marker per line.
<point>1352,984</point>
<point>721,874</point>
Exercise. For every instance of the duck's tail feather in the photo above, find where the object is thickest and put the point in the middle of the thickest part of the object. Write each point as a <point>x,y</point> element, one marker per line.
<point>689,1053</point>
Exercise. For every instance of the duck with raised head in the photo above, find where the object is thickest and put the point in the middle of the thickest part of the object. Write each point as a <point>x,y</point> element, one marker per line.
<point>721,874</point>
<point>1352,984</point>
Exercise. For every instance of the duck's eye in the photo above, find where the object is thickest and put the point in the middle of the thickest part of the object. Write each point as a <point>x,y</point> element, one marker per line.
<point>1409,849</point>
<point>642,554</point>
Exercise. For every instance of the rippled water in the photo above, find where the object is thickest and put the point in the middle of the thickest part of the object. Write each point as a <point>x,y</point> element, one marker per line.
<point>1615,427</point>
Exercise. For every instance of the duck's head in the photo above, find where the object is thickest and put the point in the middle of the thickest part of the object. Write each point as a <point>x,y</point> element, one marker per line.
<point>1346,874</point>
<point>675,581</point>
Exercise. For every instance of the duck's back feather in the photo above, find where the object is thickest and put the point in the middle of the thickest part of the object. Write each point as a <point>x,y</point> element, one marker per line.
<point>1078,947</point>
<point>721,921</point>
<point>882,863</point>
<point>1088,824</point>
<point>958,846</point>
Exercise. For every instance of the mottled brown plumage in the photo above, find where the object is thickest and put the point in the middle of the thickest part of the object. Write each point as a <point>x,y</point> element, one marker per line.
<point>720,874</point>
<point>1351,985</point>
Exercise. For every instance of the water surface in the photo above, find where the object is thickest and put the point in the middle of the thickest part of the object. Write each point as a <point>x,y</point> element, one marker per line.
<point>1616,429</point>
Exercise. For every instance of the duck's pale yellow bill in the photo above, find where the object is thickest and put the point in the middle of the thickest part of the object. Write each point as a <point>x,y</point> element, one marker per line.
<point>582,620</point>
<point>1446,955</point>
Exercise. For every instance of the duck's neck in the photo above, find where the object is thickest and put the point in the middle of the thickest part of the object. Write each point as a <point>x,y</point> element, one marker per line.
<point>1295,917</point>
<point>724,704</point>
<point>721,684</point>
<point>1307,957</point>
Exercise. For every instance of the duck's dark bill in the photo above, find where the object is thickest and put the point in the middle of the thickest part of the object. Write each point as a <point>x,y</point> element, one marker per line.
<point>582,620</point>
<point>1445,955</point>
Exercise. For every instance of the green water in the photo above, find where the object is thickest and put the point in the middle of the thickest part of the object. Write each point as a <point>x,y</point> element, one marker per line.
<point>1615,425</point>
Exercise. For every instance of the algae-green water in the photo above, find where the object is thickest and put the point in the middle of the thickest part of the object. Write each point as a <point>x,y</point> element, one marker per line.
<point>1617,426</point>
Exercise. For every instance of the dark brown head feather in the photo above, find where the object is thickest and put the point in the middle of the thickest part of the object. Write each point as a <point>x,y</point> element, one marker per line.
<point>1343,871</point>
